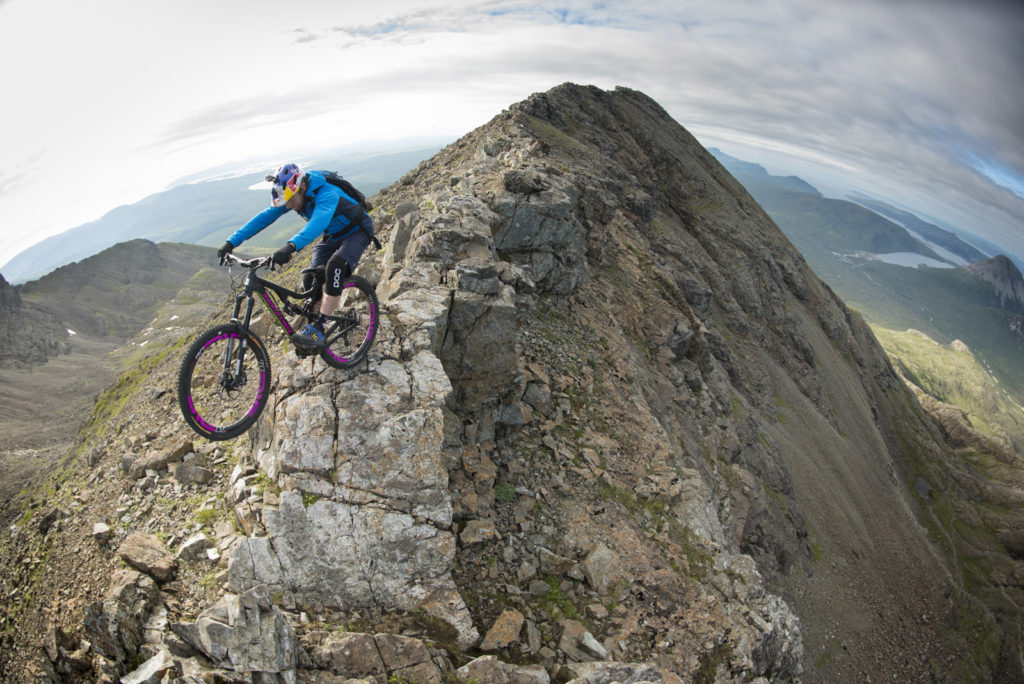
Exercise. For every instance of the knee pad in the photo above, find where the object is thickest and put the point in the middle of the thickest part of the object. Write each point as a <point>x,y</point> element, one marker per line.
<point>336,273</point>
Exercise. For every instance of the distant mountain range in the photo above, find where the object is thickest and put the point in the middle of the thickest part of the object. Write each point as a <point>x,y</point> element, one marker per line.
<point>201,212</point>
<point>938,238</point>
<point>900,271</point>
<point>862,228</point>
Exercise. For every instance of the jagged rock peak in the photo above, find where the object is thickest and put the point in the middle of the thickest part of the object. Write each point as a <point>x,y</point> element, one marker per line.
<point>1004,277</point>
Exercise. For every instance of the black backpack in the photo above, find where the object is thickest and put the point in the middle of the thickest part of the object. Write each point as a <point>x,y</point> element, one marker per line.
<point>335,178</point>
<point>365,206</point>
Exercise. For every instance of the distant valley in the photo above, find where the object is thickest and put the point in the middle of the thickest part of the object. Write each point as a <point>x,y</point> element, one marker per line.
<point>847,244</point>
<point>92,315</point>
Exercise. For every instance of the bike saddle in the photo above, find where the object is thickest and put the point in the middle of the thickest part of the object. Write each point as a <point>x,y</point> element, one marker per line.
<point>314,269</point>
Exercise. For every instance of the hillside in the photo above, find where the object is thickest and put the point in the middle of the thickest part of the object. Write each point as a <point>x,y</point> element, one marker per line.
<point>59,335</point>
<point>1004,279</point>
<point>841,241</point>
<point>932,234</point>
<point>613,428</point>
<point>116,292</point>
<point>985,425</point>
<point>28,335</point>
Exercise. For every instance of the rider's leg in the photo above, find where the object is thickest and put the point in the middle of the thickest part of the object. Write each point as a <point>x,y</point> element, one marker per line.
<point>311,337</point>
<point>343,259</point>
<point>339,267</point>
<point>337,271</point>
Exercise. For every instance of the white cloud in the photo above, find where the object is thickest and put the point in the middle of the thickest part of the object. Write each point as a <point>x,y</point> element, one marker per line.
<point>919,99</point>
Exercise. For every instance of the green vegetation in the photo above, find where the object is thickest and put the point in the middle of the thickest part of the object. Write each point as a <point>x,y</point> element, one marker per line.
<point>206,516</point>
<point>113,399</point>
<point>263,483</point>
<point>654,512</point>
<point>505,492</point>
<point>952,374</point>
<point>563,141</point>
<point>710,661</point>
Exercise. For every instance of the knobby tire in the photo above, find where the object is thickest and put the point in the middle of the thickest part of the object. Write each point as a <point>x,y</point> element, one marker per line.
<point>349,338</point>
<point>217,404</point>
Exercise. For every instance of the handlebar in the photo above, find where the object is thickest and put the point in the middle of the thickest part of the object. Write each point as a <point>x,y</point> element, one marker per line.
<point>258,262</point>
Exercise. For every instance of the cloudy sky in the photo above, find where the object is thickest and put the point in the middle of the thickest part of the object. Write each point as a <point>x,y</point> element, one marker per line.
<point>106,101</point>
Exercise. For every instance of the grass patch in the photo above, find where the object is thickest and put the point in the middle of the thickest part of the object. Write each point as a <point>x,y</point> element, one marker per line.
<point>654,513</point>
<point>710,661</point>
<point>556,600</point>
<point>206,516</point>
<point>505,492</point>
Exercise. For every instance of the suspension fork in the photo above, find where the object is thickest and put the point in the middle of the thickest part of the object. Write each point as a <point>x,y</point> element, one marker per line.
<point>243,326</point>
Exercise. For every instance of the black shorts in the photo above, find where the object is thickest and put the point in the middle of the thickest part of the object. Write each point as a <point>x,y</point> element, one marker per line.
<point>350,248</point>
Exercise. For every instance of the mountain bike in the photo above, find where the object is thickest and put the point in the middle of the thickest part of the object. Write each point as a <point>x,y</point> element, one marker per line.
<point>224,380</point>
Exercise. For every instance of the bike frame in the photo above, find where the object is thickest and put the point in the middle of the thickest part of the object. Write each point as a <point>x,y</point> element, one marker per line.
<point>254,285</point>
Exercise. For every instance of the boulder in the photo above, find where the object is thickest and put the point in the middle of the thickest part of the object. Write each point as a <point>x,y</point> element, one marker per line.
<point>601,567</point>
<point>493,671</point>
<point>137,468</point>
<point>618,673</point>
<point>146,553</point>
<point>115,626</point>
<point>373,657</point>
<point>194,547</point>
<point>504,632</point>
<point>101,532</point>
<point>154,670</point>
<point>330,554</point>
<point>190,473</point>
<point>477,532</point>
<point>245,633</point>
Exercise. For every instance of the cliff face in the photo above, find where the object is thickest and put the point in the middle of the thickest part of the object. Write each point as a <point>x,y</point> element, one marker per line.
<point>1004,278</point>
<point>28,336</point>
<point>612,428</point>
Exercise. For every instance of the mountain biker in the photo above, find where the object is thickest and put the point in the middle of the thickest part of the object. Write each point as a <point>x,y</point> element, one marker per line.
<point>345,228</point>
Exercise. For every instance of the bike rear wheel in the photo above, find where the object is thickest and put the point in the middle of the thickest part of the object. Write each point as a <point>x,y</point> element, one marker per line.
<point>351,328</point>
<point>218,398</point>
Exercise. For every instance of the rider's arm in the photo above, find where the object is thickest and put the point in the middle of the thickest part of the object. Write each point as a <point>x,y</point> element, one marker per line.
<point>256,224</point>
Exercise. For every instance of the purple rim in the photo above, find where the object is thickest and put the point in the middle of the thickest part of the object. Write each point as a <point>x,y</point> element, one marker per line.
<point>257,401</point>
<point>369,333</point>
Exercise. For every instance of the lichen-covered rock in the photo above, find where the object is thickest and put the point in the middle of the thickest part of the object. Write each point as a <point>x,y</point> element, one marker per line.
<point>146,553</point>
<point>245,632</point>
<point>115,625</point>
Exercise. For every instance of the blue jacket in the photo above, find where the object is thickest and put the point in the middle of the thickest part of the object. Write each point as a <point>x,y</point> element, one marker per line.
<point>321,213</point>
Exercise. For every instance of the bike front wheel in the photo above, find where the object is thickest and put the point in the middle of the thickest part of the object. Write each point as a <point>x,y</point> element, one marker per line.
<point>224,382</point>
<point>352,327</point>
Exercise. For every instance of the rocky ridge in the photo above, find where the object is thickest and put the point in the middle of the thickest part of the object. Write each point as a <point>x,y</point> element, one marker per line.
<point>613,429</point>
<point>1004,278</point>
<point>28,336</point>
